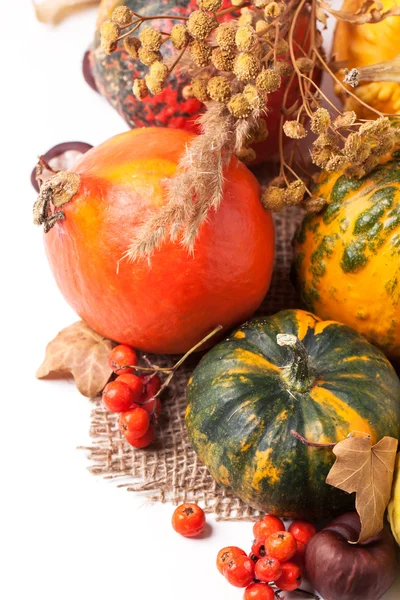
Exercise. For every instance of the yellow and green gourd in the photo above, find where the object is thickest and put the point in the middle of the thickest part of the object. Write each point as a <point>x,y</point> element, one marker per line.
<point>320,379</point>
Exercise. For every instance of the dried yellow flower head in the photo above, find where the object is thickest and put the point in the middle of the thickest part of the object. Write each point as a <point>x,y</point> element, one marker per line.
<point>320,121</point>
<point>261,3</point>
<point>151,38</point>
<point>200,25</point>
<point>326,140</point>
<point>347,119</point>
<point>371,163</point>
<point>139,89</point>
<point>305,65</point>
<point>294,130</point>
<point>284,68</point>
<point>355,149</point>
<point>132,45</point>
<point>236,2</point>
<point>259,133</point>
<point>109,32</point>
<point>200,53</point>
<point>294,193</point>
<point>281,47</point>
<point>187,92</point>
<point>209,5</point>
<point>219,89</point>
<point>375,128</point>
<point>255,97</point>
<point>179,36</point>
<point>356,171</point>
<point>246,38</point>
<point>223,60</point>
<point>147,57</point>
<point>261,27</point>
<point>273,199</point>
<point>246,155</point>
<point>239,107</point>
<point>321,155</point>
<point>225,36</point>
<point>384,145</point>
<point>335,163</point>
<point>247,17</point>
<point>155,86</point>
<point>122,15</point>
<point>199,87</point>
<point>272,10</point>
<point>315,204</point>
<point>158,71</point>
<point>269,80</point>
<point>246,66</point>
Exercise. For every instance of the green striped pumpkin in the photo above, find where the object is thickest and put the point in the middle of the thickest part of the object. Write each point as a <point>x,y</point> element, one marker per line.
<point>248,393</point>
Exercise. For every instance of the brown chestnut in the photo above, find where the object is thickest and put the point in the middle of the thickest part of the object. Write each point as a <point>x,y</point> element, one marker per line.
<point>60,158</point>
<point>342,571</point>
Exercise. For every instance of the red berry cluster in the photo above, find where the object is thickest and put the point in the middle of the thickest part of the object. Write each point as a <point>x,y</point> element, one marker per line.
<point>133,396</point>
<point>276,560</point>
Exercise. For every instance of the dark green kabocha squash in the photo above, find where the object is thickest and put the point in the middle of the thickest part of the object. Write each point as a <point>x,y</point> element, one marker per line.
<point>274,375</point>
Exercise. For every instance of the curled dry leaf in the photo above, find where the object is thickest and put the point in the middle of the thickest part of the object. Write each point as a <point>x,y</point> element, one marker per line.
<point>369,12</point>
<point>53,11</point>
<point>366,470</point>
<point>81,352</point>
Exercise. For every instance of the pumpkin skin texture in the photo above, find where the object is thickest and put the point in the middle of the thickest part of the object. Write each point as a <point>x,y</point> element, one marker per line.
<point>167,304</point>
<point>243,403</point>
<point>347,258</point>
<point>362,45</point>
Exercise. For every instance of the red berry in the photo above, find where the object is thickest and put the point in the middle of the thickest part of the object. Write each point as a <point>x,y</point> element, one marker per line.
<point>226,554</point>
<point>141,442</point>
<point>258,591</point>
<point>258,548</point>
<point>281,546</point>
<point>299,558</point>
<point>153,406</point>
<point>239,571</point>
<point>153,386</point>
<point>290,579</point>
<point>188,519</point>
<point>134,423</point>
<point>302,531</point>
<point>120,356</point>
<point>117,396</point>
<point>266,526</point>
<point>268,569</point>
<point>135,383</point>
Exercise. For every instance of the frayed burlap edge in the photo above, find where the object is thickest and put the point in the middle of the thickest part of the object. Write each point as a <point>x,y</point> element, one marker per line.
<point>169,470</point>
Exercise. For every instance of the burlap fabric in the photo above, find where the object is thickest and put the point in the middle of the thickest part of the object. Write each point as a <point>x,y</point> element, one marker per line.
<point>169,471</point>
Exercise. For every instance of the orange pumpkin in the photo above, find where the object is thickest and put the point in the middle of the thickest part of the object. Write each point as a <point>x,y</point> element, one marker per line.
<point>167,304</point>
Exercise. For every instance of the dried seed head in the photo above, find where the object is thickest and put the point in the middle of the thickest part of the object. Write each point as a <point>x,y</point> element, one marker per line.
<point>355,149</point>
<point>320,156</point>
<point>315,204</point>
<point>281,47</point>
<point>371,163</point>
<point>223,60</point>
<point>200,25</point>
<point>284,68</point>
<point>187,92</point>
<point>261,3</point>
<point>225,36</point>
<point>151,38</point>
<point>109,32</point>
<point>132,45</point>
<point>236,2</point>
<point>239,107</point>
<point>179,36</point>
<point>155,86</point>
<point>273,199</point>
<point>199,87</point>
<point>219,89</point>
<point>200,53</point>
<point>246,155</point>
<point>347,119</point>
<point>122,15</point>
<point>385,144</point>
<point>262,27</point>
<point>326,140</point>
<point>356,171</point>
<point>375,128</point>
<point>294,193</point>
<point>320,121</point>
<point>246,38</point>
<point>294,130</point>
<point>247,17</point>
<point>139,89</point>
<point>305,65</point>
<point>335,163</point>
<point>259,133</point>
<point>256,98</point>
<point>272,10</point>
<point>246,66</point>
<point>269,80</point>
<point>209,5</point>
<point>147,57</point>
<point>158,71</point>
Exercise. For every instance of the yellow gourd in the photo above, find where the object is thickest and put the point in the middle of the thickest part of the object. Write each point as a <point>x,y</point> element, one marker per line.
<point>394,505</point>
<point>361,45</point>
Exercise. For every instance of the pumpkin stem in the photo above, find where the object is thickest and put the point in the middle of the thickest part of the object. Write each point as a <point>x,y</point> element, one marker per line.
<point>56,191</point>
<point>299,374</point>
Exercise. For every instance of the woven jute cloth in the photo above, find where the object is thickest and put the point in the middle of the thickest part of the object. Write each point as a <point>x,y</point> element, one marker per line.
<point>169,470</point>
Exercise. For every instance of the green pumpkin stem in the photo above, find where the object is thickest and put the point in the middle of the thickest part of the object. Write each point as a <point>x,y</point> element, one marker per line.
<point>299,374</point>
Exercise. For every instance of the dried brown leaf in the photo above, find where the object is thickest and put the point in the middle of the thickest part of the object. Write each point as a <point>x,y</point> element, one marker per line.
<point>53,11</point>
<point>369,12</point>
<point>366,470</point>
<point>81,352</point>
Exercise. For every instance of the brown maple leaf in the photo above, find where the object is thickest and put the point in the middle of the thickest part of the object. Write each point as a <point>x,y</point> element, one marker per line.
<point>81,352</point>
<point>366,470</point>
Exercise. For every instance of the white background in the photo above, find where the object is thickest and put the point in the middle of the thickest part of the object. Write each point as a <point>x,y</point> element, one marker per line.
<point>65,534</point>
